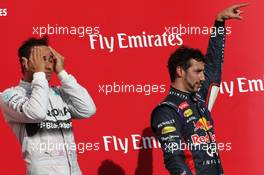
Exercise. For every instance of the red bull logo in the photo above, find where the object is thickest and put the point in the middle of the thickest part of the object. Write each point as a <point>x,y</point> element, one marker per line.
<point>203,124</point>
<point>196,139</point>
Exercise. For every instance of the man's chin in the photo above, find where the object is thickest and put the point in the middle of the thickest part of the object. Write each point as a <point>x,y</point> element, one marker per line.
<point>196,89</point>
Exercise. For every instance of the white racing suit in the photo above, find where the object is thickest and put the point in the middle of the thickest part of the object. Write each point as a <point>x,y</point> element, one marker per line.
<point>40,116</point>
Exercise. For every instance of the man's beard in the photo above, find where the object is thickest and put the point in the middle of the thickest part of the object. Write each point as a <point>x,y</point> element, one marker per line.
<point>191,87</point>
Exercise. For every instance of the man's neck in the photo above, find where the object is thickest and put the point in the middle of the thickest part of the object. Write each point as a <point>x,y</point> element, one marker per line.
<point>27,77</point>
<point>179,86</point>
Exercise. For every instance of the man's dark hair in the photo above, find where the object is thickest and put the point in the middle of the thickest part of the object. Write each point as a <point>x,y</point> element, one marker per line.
<point>182,57</point>
<point>25,49</point>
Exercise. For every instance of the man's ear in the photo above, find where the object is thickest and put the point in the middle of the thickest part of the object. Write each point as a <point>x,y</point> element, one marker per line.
<point>179,71</point>
<point>24,62</point>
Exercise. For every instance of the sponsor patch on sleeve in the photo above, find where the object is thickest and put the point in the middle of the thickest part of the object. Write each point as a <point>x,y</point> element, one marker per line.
<point>168,129</point>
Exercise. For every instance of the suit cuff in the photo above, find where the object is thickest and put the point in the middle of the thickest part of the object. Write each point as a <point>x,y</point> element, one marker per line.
<point>62,75</point>
<point>39,75</point>
<point>219,23</point>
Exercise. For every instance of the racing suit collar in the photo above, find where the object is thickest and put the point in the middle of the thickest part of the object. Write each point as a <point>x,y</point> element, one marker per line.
<point>181,94</point>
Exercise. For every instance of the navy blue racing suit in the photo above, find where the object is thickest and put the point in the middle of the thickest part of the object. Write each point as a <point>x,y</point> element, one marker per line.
<point>183,124</point>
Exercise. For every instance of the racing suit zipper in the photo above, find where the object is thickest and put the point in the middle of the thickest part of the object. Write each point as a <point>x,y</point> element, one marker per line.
<point>64,141</point>
<point>199,108</point>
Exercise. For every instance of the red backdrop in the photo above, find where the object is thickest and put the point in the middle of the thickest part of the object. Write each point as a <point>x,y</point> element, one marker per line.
<point>238,118</point>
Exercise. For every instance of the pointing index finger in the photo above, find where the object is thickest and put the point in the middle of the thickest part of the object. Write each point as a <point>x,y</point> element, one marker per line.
<point>240,5</point>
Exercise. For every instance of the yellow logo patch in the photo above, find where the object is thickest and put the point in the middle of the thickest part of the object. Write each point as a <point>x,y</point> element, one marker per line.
<point>168,129</point>
<point>188,113</point>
